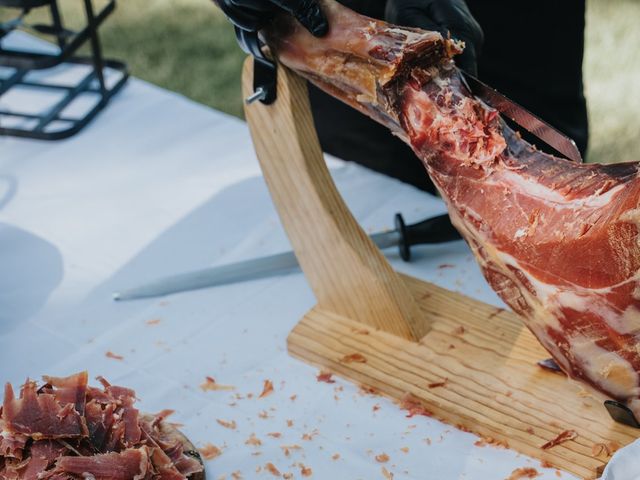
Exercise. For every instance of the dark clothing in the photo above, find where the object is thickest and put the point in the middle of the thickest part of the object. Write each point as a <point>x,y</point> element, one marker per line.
<point>532,53</point>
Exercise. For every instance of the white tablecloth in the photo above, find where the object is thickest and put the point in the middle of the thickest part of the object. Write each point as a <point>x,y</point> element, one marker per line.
<point>160,185</point>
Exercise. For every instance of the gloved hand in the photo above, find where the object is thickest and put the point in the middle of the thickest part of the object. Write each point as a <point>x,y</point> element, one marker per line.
<point>445,16</point>
<point>252,15</point>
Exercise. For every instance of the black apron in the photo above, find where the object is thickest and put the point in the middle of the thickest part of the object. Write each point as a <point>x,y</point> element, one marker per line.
<point>532,53</point>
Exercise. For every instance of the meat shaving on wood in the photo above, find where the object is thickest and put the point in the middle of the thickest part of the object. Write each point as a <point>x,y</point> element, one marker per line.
<point>110,354</point>
<point>210,451</point>
<point>325,377</point>
<point>438,384</point>
<point>267,389</point>
<point>520,473</point>
<point>413,406</point>
<point>360,331</point>
<point>210,384</point>
<point>561,438</point>
<point>65,429</point>
<point>496,312</point>
<point>367,390</point>
<point>354,358</point>
<point>387,474</point>
<point>490,441</point>
<point>607,449</point>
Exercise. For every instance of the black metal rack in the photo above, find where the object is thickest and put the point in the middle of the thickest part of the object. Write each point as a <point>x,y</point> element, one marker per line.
<point>22,63</point>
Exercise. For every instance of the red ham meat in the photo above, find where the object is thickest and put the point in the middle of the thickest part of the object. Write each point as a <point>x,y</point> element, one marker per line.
<point>40,415</point>
<point>131,464</point>
<point>558,241</point>
<point>43,454</point>
<point>72,389</point>
<point>11,444</point>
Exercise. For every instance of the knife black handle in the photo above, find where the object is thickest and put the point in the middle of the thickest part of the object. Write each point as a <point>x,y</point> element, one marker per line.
<point>432,230</point>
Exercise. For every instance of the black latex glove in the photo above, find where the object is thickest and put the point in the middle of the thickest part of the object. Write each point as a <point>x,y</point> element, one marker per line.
<point>445,16</point>
<point>252,15</point>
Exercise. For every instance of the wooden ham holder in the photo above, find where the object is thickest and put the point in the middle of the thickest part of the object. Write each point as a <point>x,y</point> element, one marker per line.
<point>402,336</point>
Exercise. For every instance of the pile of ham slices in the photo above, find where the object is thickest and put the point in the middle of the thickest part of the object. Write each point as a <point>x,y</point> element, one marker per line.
<point>66,429</point>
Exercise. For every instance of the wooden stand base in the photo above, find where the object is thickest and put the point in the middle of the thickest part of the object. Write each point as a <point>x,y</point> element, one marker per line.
<point>488,362</point>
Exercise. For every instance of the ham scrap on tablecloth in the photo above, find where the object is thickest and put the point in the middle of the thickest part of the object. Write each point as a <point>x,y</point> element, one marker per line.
<point>66,430</point>
<point>557,240</point>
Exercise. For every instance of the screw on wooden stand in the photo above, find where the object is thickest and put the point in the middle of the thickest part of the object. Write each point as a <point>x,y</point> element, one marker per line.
<point>265,72</point>
<point>259,94</point>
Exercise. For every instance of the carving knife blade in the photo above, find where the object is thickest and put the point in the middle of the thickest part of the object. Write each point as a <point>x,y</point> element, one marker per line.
<point>432,230</point>
<point>523,117</point>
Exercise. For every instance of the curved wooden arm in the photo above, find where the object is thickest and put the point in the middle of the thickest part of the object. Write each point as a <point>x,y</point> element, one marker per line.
<point>348,274</point>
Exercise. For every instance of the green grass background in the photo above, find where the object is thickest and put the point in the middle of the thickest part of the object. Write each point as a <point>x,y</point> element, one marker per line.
<point>187,46</point>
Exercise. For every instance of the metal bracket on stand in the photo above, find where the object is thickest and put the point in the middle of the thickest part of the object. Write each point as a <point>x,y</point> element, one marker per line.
<point>265,72</point>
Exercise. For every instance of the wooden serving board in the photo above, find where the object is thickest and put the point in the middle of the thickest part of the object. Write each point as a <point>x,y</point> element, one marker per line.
<point>493,385</point>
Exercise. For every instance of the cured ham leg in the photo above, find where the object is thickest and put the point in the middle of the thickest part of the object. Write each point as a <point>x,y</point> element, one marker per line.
<point>558,241</point>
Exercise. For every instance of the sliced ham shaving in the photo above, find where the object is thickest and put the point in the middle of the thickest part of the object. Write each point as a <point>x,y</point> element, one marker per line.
<point>132,464</point>
<point>71,389</point>
<point>43,454</point>
<point>100,419</point>
<point>40,416</point>
<point>132,432</point>
<point>11,444</point>
<point>557,240</point>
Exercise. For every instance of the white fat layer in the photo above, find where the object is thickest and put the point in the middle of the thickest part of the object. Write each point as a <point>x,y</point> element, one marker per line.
<point>631,216</point>
<point>543,302</point>
<point>535,189</point>
<point>628,323</point>
<point>605,368</point>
